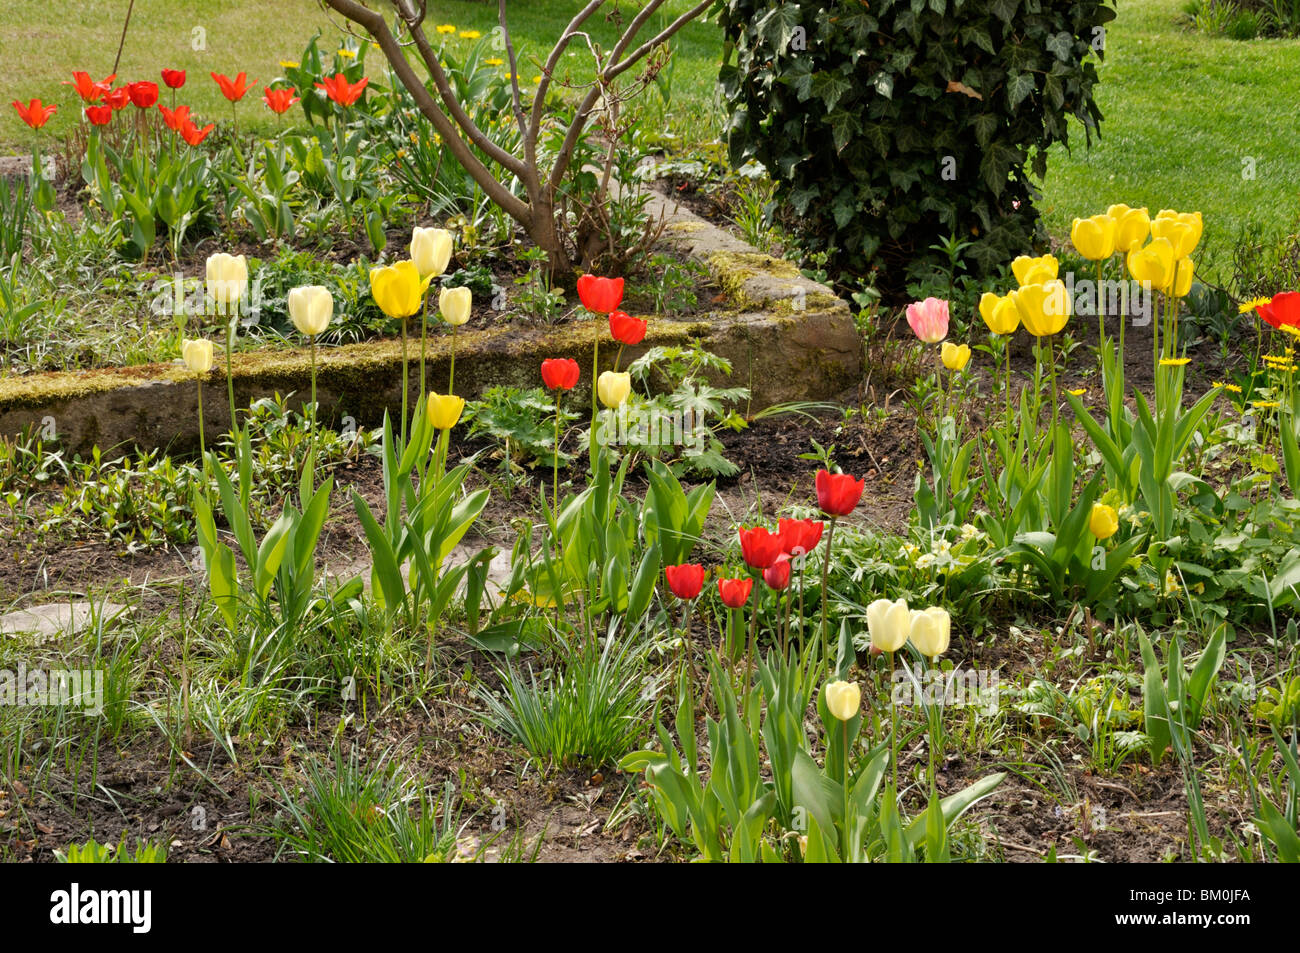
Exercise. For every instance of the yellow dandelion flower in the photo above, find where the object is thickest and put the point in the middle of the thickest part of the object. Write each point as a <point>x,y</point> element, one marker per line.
<point>1252,304</point>
<point>1232,387</point>
<point>470,34</point>
<point>289,64</point>
<point>537,79</point>
<point>1174,361</point>
<point>446,28</point>
<point>348,54</point>
<point>1263,404</point>
<point>1080,392</point>
<point>493,61</point>
<point>1290,329</point>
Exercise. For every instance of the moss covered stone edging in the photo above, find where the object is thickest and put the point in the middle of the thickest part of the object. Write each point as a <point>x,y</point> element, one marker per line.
<point>788,338</point>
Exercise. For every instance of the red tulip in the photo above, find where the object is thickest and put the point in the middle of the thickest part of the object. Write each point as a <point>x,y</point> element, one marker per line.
<point>99,115</point>
<point>279,100</point>
<point>559,373</point>
<point>35,113</point>
<point>87,88</point>
<point>193,134</point>
<point>759,547</point>
<point>600,295</point>
<point>685,580</point>
<point>117,98</point>
<point>777,575</point>
<point>838,493</point>
<point>625,328</point>
<point>143,93</point>
<point>175,119</point>
<point>1284,309</point>
<point>174,78</point>
<point>734,593</point>
<point>341,91</point>
<point>799,537</point>
<point>235,89</point>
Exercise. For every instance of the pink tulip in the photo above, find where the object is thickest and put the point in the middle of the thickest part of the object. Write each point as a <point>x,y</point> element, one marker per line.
<point>929,319</point>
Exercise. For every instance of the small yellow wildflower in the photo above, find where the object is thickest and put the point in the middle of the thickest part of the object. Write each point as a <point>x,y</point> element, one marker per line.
<point>1290,329</point>
<point>470,34</point>
<point>1252,304</point>
<point>348,54</point>
<point>1232,387</point>
<point>1080,392</point>
<point>446,28</point>
<point>1174,361</point>
<point>1264,403</point>
<point>538,78</point>
<point>493,61</point>
<point>289,64</point>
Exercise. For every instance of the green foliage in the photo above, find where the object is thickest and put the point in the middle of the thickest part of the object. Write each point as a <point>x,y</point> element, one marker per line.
<point>523,421</point>
<point>889,127</point>
<point>93,852</point>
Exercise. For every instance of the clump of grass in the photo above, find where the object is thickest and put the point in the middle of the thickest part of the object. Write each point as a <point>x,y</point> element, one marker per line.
<point>591,711</point>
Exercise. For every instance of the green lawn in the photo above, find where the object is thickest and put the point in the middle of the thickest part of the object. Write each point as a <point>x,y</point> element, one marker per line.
<point>1186,114</point>
<point>1183,113</point>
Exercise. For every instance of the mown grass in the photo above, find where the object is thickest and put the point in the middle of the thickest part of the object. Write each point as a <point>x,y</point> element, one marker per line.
<point>1188,117</point>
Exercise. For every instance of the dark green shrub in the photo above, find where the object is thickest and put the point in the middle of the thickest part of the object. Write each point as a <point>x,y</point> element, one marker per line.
<point>891,126</point>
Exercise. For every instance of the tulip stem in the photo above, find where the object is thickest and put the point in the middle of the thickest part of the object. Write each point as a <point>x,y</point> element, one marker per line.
<point>1101,313</point>
<point>404,381</point>
<point>893,721</point>
<point>749,653</point>
<point>424,337</point>
<point>826,572</point>
<point>203,451</point>
<point>844,846</point>
<point>451,374</point>
<point>555,462</point>
<point>591,437</point>
<point>311,454</point>
<point>230,377</point>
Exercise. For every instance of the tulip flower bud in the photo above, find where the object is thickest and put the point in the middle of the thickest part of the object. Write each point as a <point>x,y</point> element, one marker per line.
<point>431,250</point>
<point>930,631</point>
<point>1132,227</point>
<point>928,319</point>
<point>844,699</point>
<point>444,410</point>
<point>1103,521</point>
<point>889,624</point>
<point>227,277</point>
<point>954,356</point>
<point>613,388</point>
<point>455,303</point>
<point>197,355</point>
<point>1034,271</point>
<point>310,309</point>
<point>398,289</point>
<point>1000,312</point>
<point>1094,237</point>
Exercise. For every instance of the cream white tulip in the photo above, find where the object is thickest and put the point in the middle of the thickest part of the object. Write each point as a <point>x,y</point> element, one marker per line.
<point>310,308</point>
<point>931,630</point>
<point>454,303</point>
<point>844,699</point>
<point>431,250</point>
<point>227,277</point>
<point>889,624</point>
<point>197,355</point>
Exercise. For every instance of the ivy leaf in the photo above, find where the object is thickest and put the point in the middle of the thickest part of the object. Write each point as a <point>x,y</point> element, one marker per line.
<point>1062,44</point>
<point>830,86</point>
<point>778,26</point>
<point>1019,85</point>
<point>1004,10</point>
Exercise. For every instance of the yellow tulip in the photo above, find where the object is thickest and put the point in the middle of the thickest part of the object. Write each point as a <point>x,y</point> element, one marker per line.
<point>1183,229</point>
<point>931,630</point>
<point>310,308</point>
<point>398,289</point>
<point>455,303</point>
<point>1153,263</point>
<point>1132,226</point>
<point>954,356</point>
<point>844,699</point>
<point>431,250</point>
<point>999,312</point>
<point>444,410</point>
<point>1094,238</point>
<point>1103,521</point>
<point>1034,271</point>
<point>1182,283</point>
<point>889,624</point>
<point>197,355</point>
<point>1044,308</point>
<point>227,277</point>
<point>613,388</point>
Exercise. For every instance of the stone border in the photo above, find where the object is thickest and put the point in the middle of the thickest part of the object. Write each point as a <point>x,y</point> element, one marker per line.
<point>788,338</point>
